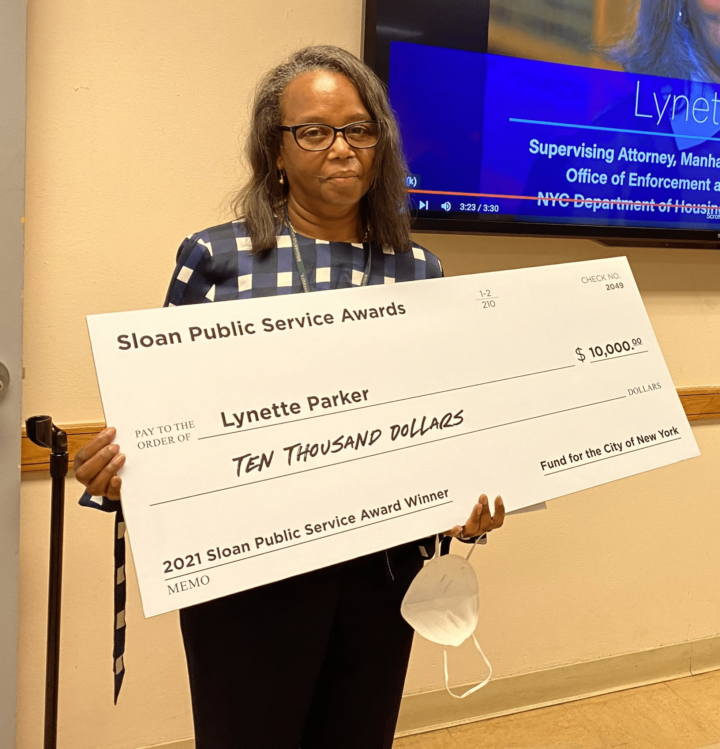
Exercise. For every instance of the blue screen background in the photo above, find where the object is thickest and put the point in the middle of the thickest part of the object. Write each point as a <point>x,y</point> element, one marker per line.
<point>468,121</point>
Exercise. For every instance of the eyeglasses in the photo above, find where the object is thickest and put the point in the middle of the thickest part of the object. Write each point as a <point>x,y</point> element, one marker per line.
<point>315,136</point>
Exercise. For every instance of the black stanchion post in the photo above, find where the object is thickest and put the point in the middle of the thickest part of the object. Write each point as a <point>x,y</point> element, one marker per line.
<point>44,433</point>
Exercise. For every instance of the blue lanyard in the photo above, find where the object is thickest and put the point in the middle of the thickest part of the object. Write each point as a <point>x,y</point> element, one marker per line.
<point>301,265</point>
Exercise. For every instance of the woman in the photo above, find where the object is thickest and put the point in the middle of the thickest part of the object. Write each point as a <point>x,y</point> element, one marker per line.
<point>318,660</point>
<point>675,39</point>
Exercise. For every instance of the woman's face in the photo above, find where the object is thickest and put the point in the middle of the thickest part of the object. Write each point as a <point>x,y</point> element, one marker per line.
<point>705,21</point>
<point>322,181</point>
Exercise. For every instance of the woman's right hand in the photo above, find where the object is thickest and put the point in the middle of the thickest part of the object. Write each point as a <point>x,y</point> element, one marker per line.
<point>97,463</point>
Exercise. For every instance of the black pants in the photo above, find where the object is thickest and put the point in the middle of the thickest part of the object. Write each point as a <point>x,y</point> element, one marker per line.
<point>316,661</point>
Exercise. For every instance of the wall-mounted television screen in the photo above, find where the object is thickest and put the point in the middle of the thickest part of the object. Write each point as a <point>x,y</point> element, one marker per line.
<point>596,118</point>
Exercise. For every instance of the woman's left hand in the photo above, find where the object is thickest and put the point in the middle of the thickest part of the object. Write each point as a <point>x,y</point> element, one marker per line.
<point>480,520</point>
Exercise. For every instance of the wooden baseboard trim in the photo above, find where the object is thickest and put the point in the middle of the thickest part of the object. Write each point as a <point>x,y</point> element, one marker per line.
<point>700,403</point>
<point>429,711</point>
<point>36,458</point>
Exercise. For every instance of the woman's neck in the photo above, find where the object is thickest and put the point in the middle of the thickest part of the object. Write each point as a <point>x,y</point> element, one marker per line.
<point>343,227</point>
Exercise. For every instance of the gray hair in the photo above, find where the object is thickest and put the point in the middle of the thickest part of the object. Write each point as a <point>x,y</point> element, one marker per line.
<point>259,202</point>
<point>662,43</point>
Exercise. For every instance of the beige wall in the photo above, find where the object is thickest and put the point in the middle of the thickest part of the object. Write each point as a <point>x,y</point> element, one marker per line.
<point>620,568</point>
<point>135,110</point>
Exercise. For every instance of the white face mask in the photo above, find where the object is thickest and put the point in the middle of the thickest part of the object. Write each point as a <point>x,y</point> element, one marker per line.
<point>442,605</point>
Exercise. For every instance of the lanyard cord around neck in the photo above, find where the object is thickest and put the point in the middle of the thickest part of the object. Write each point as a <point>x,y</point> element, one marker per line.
<point>301,265</point>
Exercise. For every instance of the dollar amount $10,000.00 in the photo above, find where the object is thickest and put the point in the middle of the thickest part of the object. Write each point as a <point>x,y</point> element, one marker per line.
<point>611,350</point>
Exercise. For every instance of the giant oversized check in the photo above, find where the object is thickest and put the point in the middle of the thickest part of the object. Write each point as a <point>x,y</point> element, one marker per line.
<point>269,437</point>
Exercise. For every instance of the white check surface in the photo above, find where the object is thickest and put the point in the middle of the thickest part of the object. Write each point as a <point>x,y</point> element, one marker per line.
<point>258,455</point>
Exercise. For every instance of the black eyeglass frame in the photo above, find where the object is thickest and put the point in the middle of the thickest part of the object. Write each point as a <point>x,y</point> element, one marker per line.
<point>336,130</point>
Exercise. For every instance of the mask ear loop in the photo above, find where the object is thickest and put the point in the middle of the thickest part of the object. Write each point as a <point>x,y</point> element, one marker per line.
<point>479,649</point>
<point>472,548</point>
<point>475,688</point>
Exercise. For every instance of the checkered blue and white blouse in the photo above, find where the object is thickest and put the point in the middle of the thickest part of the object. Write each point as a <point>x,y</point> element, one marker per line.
<point>216,265</point>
